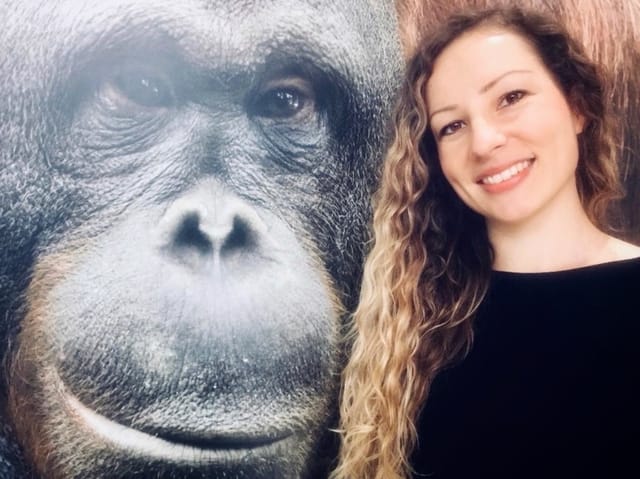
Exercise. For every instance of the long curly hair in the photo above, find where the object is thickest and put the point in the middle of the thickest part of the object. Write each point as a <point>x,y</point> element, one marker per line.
<point>430,263</point>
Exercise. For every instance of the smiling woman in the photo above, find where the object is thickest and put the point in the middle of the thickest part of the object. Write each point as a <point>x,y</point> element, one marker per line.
<point>497,325</point>
<point>506,135</point>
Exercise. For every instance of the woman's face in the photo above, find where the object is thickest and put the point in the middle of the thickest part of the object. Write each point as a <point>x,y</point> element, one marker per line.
<point>506,136</point>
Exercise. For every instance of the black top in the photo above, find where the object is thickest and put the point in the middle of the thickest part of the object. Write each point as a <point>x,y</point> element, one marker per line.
<point>551,387</point>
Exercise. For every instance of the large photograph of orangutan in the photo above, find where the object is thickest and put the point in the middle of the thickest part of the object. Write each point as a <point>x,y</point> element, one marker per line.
<point>186,198</point>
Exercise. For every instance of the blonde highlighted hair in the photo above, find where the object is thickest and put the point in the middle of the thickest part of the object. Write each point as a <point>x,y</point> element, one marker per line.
<point>430,264</point>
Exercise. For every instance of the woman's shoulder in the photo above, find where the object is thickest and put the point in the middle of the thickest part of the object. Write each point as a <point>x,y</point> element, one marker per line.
<point>620,268</point>
<point>618,249</point>
<point>610,255</point>
<point>610,289</point>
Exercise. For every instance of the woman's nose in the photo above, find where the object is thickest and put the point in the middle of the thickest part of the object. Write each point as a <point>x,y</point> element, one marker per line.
<point>486,136</point>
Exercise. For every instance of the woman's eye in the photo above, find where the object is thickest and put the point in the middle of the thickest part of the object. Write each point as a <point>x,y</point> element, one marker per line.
<point>284,99</point>
<point>141,88</point>
<point>511,98</point>
<point>450,128</point>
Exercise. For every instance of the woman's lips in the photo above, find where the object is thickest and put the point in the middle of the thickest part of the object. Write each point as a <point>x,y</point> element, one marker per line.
<point>503,179</point>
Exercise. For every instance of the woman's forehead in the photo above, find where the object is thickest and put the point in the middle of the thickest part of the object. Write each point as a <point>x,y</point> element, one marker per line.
<point>478,57</point>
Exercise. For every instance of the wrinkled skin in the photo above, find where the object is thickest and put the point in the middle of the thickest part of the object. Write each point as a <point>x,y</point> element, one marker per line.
<point>184,194</point>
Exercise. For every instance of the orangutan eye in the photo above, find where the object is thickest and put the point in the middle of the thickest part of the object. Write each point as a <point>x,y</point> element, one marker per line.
<point>282,103</point>
<point>285,98</point>
<point>132,90</point>
<point>145,89</point>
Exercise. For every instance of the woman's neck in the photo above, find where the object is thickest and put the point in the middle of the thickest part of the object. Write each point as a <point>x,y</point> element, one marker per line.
<point>556,239</point>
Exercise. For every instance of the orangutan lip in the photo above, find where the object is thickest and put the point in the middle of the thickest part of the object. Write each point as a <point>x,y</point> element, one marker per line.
<point>177,448</point>
<point>220,441</point>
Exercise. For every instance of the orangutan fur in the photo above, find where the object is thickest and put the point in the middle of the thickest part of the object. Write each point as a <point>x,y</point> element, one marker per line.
<point>610,33</point>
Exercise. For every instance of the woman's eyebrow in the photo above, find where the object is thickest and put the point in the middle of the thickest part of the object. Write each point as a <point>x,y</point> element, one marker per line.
<point>485,88</point>
<point>442,110</point>
<point>493,82</point>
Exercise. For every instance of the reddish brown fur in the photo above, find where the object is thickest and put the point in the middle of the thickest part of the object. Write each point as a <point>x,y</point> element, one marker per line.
<point>610,32</point>
<point>26,406</point>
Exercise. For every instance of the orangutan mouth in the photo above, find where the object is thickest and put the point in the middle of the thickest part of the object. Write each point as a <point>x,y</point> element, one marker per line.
<point>176,448</point>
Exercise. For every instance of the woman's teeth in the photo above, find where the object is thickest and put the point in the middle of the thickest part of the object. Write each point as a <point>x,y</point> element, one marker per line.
<point>506,174</point>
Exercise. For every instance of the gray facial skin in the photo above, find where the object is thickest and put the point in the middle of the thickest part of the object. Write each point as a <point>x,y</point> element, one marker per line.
<point>184,199</point>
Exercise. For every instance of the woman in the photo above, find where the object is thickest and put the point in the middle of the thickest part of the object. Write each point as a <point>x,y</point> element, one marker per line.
<point>496,331</point>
